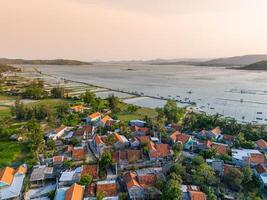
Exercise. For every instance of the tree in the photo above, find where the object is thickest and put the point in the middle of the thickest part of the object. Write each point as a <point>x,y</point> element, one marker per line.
<point>204,175</point>
<point>172,190</point>
<point>177,149</point>
<point>132,108</point>
<point>247,174</point>
<point>100,195</point>
<point>105,160</point>
<point>86,179</point>
<point>51,145</point>
<point>178,169</point>
<point>88,97</point>
<point>114,103</point>
<point>170,111</point>
<point>62,109</point>
<point>58,92</point>
<point>35,90</point>
<point>233,178</point>
<point>35,137</point>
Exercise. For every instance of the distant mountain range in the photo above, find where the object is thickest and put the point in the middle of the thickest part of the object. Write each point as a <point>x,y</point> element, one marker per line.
<point>229,61</point>
<point>262,65</point>
<point>43,62</point>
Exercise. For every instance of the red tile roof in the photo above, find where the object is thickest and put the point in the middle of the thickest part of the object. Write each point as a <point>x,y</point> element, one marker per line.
<point>108,189</point>
<point>75,192</point>
<point>183,138</point>
<point>163,149</point>
<point>139,129</point>
<point>174,135</point>
<point>78,154</point>
<point>129,155</point>
<point>62,127</point>
<point>256,158</point>
<point>58,159</point>
<point>260,168</point>
<point>131,179</point>
<point>262,144</point>
<point>220,148</point>
<point>91,170</point>
<point>144,139</point>
<point>197,195</point>
<point>90,190</point>
<point>147,180</point>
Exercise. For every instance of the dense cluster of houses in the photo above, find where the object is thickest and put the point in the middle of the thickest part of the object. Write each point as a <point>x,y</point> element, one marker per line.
<point>138,161</point>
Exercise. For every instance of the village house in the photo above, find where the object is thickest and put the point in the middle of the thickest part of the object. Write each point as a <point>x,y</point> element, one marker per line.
<point>69,177</point>
<point>260,172</point>
<point>106,121</point>
<point>83,132</point>
<point>11,182</point>
<point>251,157</point>
<point>229,139</point>
<point>121,141</point>
<point>91,170</point>
<point>217,165</point>
<point>58,160</point>
<point>97,145</point>
<point>184,139</point>
<point>77,108</point>
<point>192,192</point>
<point>75,192</point>
<point>78,153</point>
<point>138,182</point>
<point>158,151</point>
<point>124,158</point>
<point>134,142</point>
<point>137,122</point>
<point>57,133</point>
<point>93,118</point>
<point>138,131</point>
<point>215,134</point>
<point>108,188</point>
<point>261,145</point>
<point>41,175</point>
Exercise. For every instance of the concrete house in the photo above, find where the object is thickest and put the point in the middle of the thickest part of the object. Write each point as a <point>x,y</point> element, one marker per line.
<point>11,182</point>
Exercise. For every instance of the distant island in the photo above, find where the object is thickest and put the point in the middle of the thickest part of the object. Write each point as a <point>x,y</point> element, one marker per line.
<point>43,62</point>
<point>262,65</point>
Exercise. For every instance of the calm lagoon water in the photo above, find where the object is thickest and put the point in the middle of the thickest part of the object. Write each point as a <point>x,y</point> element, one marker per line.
<point>232,93</point>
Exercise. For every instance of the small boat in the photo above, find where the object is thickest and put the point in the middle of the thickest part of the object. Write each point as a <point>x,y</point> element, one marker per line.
<point>189,92</point>
<point>212,108</point>
<point>259,113</point>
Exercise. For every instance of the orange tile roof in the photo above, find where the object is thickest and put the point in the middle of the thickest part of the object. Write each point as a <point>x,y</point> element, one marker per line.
<point>118,137</point>
<point>108,189</point>
<point>21,170</point>
<point>75,192</point>
<point>77,108</point>
<point>144,138</point>
<point>208,144</point>
<point>216,131</point>
<point>91,170</point>
<point>7,175</point>
<point>95,115</point>
<point>262,144</point>
<point>105,119</point>
<point>78,154</point>
<point>90,190</point>
<point>174,135</point>
<point>197,195</point>
<point>140,129</point>
<point>226,168</point>
<point>98,140</point>
<point>129,155</point>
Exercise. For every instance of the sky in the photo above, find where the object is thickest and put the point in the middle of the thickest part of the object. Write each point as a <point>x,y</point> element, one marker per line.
<point>131,29</point>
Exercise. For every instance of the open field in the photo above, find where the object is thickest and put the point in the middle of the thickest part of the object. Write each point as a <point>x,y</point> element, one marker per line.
<point>139,114</point>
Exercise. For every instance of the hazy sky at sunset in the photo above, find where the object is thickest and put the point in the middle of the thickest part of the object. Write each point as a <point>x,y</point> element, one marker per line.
<point>132,29</point>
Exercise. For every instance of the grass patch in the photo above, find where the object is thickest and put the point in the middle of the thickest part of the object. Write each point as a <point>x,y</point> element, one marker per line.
<point>139,114</point>
<point>10,151</point>
<point>4,112</point>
